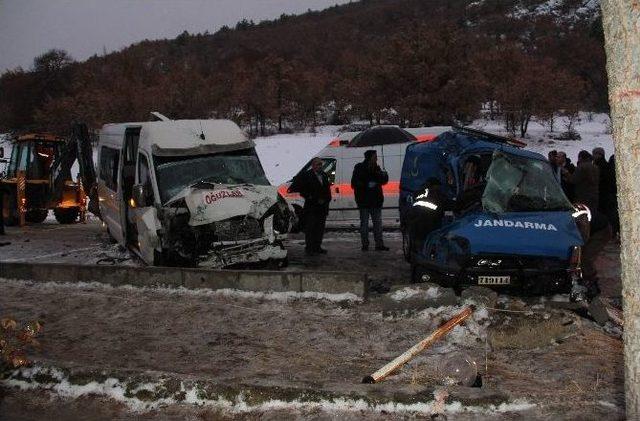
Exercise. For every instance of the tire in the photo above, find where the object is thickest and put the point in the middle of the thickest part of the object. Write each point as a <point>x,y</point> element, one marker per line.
<point>159,258</point>
<point>112,239</point>
<point>416,274</point>
<point>36,215</point>
<point>66,215</point>
<point>11,220</point>
<point>406,246</point>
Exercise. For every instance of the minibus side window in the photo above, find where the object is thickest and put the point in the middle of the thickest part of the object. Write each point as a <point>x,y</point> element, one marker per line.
<point>109,160</point>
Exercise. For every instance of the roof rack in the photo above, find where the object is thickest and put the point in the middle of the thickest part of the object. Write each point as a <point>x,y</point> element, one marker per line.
<point>490,137</point>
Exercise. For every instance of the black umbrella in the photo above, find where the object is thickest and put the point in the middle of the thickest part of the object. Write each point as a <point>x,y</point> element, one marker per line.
<point>381,135</point>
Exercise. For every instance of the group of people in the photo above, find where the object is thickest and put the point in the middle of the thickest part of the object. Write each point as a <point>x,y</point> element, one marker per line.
<point>366,181</point>
<point>592,182</point>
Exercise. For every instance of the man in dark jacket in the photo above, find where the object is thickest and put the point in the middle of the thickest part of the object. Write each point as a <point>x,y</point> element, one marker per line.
<point>566,170</point>
<point>586,181</point>
<point>313,185</point>
<point>367,181</point>
<point>604,186</point>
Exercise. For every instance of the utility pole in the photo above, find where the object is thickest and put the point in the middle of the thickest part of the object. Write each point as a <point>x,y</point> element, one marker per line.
<point>621,21</point>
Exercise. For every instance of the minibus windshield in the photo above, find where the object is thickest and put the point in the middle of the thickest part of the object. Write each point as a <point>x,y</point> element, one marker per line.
<point>237,167</point>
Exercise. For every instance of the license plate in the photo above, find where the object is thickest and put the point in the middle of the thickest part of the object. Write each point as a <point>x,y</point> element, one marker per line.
<point>494,280</point>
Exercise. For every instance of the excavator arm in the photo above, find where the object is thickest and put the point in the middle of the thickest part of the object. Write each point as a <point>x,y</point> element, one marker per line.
<point>77,147</point>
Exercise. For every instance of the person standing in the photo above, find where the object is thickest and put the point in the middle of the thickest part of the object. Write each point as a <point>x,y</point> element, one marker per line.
<point>566,170</point>
<point>604,185</point>
<point>586,182</point>
<point>426,214</point>
<point>367,181</point>
<point>313,185</point>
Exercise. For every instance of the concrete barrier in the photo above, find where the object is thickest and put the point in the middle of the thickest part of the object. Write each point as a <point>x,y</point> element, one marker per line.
<point>246,280</point>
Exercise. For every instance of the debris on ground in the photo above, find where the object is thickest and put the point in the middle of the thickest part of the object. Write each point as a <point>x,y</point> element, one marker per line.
<point>405,357</point>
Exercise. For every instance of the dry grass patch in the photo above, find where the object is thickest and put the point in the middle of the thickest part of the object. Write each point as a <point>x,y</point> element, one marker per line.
<point>529,332</point>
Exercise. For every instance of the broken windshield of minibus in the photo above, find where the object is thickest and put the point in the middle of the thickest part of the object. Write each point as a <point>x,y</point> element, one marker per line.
<point>520,184</point>
<point>230,168</point>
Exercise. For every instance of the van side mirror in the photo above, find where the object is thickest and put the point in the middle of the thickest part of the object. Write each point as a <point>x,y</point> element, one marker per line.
<point>140,196</point>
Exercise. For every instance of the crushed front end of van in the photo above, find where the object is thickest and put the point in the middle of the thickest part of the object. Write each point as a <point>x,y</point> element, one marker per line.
<point>217,226</point>
<point>191,193</point>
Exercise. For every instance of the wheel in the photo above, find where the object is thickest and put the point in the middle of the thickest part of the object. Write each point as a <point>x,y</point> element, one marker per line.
<point>11,220</point>
<point>112,239</point>
<point>36,215</point>
<point>416,273</point>
<point>406,246</point>
<point>160,258</point>
<point>66,215</point>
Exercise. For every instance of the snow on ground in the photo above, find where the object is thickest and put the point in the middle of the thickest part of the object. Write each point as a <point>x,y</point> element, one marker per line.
<point>409,292</point>
<point>282,297</point>
<point>594,130</point>
<point>193,394</point>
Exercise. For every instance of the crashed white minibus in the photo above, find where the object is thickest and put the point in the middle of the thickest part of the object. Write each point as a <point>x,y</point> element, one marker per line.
<point>189,193</point>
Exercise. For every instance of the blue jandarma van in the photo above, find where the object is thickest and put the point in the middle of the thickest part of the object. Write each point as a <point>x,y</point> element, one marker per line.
<point>520,231</point>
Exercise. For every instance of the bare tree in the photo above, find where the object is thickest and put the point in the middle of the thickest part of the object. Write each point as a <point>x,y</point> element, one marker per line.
<point>622,44</point>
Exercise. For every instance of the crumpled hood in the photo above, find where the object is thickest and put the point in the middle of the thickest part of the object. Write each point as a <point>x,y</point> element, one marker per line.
<point>525,233</point>
<point>208,205</point>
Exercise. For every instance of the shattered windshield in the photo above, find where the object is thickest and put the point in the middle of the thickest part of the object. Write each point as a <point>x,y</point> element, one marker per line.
<point>237,167</point>
<point>517,184</point>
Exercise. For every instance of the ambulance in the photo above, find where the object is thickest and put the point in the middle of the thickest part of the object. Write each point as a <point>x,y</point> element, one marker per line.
<point>342,154</point>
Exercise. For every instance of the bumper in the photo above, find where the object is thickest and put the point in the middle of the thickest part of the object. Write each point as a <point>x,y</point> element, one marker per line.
<point>533,279</point>
<point>223,255</point>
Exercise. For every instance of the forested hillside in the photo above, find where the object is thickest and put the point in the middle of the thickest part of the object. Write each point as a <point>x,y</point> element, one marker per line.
<point>409,62</point>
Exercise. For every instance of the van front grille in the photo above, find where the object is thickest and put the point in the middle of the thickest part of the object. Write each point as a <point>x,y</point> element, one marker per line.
<point>238,229</point>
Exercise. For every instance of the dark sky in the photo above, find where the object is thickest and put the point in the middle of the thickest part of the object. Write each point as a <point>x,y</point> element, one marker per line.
<point>85,27</point>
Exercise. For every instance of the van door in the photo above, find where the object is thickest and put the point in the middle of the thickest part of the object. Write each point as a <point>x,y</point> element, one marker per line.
<point>108,191</point>
<point>349,158</point>
<point>145,212</point>
<point>390,159</point>
<point>332,169</point>
<point>127,180</point>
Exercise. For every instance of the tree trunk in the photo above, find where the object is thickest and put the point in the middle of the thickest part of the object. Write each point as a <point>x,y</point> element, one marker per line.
<point>622,43</point>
